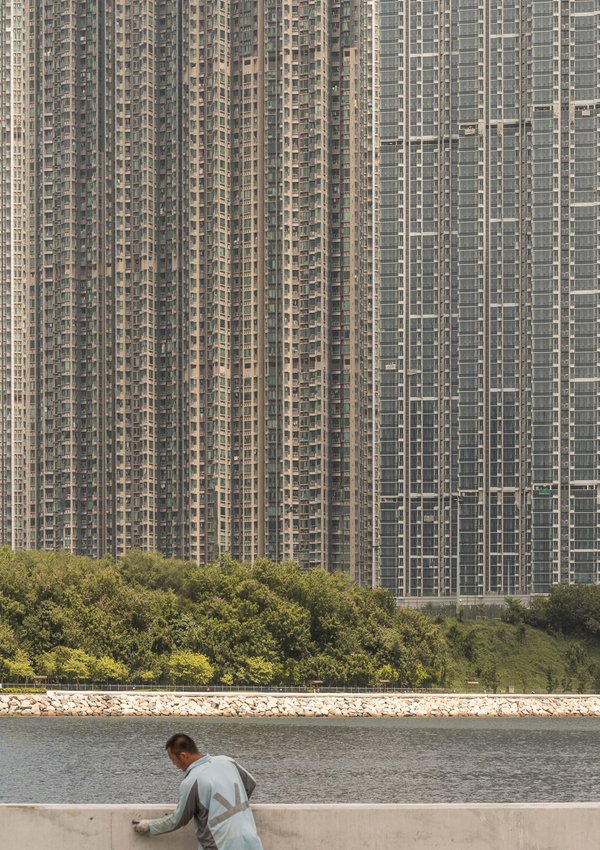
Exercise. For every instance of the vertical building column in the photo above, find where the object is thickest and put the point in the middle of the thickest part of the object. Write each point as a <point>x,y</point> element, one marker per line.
<point>103,281</point>
<point>544,275</point>
<point>210,240</point>
<point>310,236</point>
<point>175,71</point>
<point>249,295</point>
<point>5,278</point>
<point>289,304</point>
<point>194,198</point>
<point>369,322</point>
<point>144,122</point>
<point>580,299</point>
<point>15,242</point>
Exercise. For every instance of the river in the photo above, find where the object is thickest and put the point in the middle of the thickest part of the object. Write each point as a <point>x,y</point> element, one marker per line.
<point>403,760</point>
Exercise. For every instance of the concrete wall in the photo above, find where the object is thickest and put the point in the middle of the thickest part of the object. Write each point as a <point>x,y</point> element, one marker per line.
<point>552,826</point>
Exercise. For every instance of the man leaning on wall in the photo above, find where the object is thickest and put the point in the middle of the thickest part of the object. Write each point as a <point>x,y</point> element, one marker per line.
<point>215,791</point>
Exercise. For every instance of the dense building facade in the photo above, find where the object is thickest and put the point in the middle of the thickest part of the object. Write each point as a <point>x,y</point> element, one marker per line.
<point>190,278</point>
<point>490,446</point>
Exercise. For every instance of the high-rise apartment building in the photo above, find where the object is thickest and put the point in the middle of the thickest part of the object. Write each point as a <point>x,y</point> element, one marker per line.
<point>490,442</point>
<point>189,265</point>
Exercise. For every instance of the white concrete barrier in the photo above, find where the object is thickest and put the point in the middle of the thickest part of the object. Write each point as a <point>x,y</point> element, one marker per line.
<point>540,826</point>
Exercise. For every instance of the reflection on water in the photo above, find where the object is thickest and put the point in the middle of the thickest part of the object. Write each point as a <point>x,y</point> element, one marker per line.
<point>121,760</point>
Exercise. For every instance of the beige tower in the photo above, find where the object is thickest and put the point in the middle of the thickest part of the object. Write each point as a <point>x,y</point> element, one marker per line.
<point>16,211</point>
<point>189,303</point>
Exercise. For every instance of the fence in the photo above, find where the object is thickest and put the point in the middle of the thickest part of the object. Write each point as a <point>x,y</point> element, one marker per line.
<point>211,689</point>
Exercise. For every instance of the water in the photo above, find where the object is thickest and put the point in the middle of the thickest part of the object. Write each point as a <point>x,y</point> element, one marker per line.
<point>121,760</point>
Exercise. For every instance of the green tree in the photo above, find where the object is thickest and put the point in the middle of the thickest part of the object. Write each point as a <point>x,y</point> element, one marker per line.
<point>19,667</point>
<point>514,612</point>
<point>8,641</point>
<point>77,665</point>
<point>106,669</point>
<point>575,658</point>
<point>419,651</point>
<point>537,613</point>
<point>289,625</point>
<point>190,668</point>
<point>469,645</point>
<point>489,677</point>
<point>386,674</point>
<point>150,675</point>
<point>551,680</point>
<point>255,670</point>
<point>359,670</point>
<point>595,675</point>
<point>66,665</point>
<point>324,668</point>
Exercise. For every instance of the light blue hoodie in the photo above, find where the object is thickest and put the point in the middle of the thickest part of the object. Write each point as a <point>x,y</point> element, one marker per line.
<point>215,792</point>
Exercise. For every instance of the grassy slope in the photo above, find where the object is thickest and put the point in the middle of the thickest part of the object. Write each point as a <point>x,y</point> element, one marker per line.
<point>521,656</point>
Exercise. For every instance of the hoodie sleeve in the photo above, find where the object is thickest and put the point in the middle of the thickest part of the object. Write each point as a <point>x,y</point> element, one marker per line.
<point>247,779</point>
<point>187,807</point>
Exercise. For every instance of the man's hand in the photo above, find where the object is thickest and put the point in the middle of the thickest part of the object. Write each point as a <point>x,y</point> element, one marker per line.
<point>142,827</point>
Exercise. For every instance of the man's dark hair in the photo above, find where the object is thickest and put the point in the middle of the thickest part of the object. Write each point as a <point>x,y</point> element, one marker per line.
<point>180,743</point>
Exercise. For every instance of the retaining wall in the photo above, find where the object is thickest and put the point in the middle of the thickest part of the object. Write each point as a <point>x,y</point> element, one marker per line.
<point>140,703</point>
<point>314,827</point>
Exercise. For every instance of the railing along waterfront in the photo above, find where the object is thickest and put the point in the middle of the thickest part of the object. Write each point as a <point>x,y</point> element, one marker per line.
<point>210,689</point>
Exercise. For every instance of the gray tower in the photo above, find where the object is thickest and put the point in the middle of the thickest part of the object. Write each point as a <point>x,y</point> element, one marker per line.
<point>490,441</point>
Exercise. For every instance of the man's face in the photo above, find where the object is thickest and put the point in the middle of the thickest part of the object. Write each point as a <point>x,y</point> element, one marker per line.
<point>180,760</point>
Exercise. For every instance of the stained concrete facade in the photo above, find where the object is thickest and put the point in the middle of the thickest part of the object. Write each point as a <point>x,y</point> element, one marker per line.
<point>551,826</point>
<point>189,279</point>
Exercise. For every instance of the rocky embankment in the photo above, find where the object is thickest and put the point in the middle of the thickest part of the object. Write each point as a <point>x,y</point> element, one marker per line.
<point>148,704</point>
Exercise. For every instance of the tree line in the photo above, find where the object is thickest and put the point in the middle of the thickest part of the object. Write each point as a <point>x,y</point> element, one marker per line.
<point>150,619</point>
<point>568,609</point>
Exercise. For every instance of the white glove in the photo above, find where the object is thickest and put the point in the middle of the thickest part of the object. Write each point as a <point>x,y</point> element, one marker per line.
<point>143,827</point>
